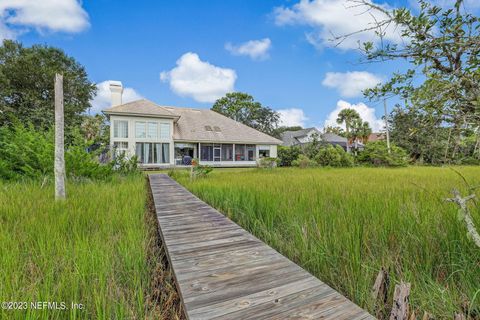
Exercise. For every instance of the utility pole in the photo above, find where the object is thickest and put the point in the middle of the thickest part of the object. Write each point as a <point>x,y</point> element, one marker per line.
<point>59,140</point>
<point>386,123</point>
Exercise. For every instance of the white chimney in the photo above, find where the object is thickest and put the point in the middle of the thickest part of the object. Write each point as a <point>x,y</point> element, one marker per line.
<point>116,89</point>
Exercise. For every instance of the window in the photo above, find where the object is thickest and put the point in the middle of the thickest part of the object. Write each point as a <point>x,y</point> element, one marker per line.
<point>227,152</point>
<point>119,147</point>
<point>251,152</point>
<point>164,130</point>
<point>264,152</point>
<point>240,152</point>
<point>151,153</point>
<point>120,129</point>
<point>152,130</point>
<point>140,129</point>
<point>206,152</point>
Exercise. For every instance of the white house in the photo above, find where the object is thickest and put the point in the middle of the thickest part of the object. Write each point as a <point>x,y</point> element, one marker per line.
<point>169,136</point>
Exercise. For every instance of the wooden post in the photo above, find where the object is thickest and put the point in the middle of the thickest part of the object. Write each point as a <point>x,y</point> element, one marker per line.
<point>400,302</point>
<point>380,292</point>
<point>59,140</point>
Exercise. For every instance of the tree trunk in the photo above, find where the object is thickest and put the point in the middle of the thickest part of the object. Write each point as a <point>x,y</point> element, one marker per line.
<point>347,129</point>
<point>59,168</point>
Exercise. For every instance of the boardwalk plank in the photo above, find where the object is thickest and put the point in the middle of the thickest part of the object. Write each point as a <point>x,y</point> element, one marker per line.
<point>224,272</point>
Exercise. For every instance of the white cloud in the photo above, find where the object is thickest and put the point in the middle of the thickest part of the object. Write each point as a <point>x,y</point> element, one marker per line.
<point>351,84</point>
<point>255,49</point>
<point>199,79</point>
<point>292,117</point>
<point>330,18</point>
<point>42,15</point>
<point>366,113</point>
<point>103,98</point>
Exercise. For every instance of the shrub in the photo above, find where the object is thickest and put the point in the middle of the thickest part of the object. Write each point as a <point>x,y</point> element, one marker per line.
<point>304,162</point>
<point>376,153</point>
<point>29,153</point>
<point>286,155</point>
<point>198,170</point>
<point>334,156</point>
<point>267,162</point>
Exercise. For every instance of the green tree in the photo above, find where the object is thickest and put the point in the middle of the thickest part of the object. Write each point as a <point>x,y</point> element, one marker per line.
<point>348,117</point>
<point>243,108</point>
<point>443,76</point>
<point>334,129</point>
<point>26,85</point>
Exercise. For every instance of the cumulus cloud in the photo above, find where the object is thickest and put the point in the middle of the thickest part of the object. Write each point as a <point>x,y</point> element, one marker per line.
<point>45,15</point>
<point>329,18</point>
<point>351,84</point>
<point>292,117</point>
<point>103,98</point>
<point>255,49</point>
<point>366,113</point>
<point>199,79</point>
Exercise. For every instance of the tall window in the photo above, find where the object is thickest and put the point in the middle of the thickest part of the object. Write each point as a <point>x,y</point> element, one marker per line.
<point>120,129</point>
<point>152,130</point>
<point>206,152</point>
<point>140,129</point>
<point>164,130</point>
<point>120,147</point>
<point>240,152</point>
<point>251,152</point>
<point>227,152</point>
<point>152,153</point>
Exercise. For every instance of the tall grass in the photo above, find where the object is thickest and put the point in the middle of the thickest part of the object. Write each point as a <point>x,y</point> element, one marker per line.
<point>90,249</point>
<point>343,225</point>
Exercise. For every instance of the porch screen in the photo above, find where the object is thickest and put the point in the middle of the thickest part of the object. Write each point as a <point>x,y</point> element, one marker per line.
<point>206,152</point>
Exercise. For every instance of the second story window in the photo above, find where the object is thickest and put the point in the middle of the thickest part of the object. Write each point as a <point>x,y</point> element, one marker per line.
<point>120,129</point>
<point>152,131</point>
<point>164,131</point>
<point>140,129</point>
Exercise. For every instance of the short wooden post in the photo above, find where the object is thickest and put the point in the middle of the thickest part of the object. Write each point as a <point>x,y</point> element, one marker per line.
<point>400,302</point>
<point>380,292</point>
<point>59,168</point>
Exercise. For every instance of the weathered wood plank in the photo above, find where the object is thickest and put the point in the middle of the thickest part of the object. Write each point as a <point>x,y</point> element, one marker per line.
<point>224,272</point>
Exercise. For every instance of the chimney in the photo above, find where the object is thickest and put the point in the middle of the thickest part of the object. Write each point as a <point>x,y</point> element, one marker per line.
<point>116,90</point>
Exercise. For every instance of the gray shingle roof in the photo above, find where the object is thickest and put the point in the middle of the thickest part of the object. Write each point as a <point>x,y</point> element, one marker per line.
<point>207,125</point>
<point>290,138</point>
<point>196,125</point>
<point>141,107</point>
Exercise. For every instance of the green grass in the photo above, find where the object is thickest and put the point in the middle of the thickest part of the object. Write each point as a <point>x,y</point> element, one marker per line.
<point>343,225</point>
<point>91,249</point>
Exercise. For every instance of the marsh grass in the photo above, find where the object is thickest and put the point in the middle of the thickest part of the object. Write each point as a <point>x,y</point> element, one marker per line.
<point>92,249</point>
<point>343,225</point>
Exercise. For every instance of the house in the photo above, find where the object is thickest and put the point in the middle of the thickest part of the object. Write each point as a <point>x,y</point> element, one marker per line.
<point>301,137</point>
<point>169,136</point>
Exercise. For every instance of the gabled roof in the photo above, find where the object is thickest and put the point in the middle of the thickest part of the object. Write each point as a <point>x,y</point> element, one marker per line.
<point>141,107</point>
<point>199,125</point>
<point>290,138</point>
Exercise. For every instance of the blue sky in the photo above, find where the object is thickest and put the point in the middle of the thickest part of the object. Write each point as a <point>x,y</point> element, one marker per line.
<point>187,53</point>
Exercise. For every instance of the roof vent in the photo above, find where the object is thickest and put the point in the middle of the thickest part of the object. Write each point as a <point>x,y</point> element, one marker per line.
<point>208,128</point>
<point>217,129</point>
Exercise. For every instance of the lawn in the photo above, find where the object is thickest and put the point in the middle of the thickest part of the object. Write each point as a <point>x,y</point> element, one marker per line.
<point>343,225</point>
<point>93,249</point>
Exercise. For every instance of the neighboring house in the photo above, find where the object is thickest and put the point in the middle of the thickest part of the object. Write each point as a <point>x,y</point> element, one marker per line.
<point>301,137</point>
<point>376,136</point>
<point>168,136</point>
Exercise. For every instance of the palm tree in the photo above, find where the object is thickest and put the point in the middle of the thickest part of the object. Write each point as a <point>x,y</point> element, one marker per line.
<point>347,116</point>
<point>365,131</point>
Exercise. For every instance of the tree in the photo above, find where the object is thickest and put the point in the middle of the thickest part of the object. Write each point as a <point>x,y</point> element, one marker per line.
<point>243,108</point>
<point>334,129</point>
<point>442,47</point>
<point>27,90</point>
<point>347,117</point>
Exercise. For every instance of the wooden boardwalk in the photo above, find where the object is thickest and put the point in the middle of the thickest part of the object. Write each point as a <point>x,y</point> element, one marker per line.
<point>224,272</point>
